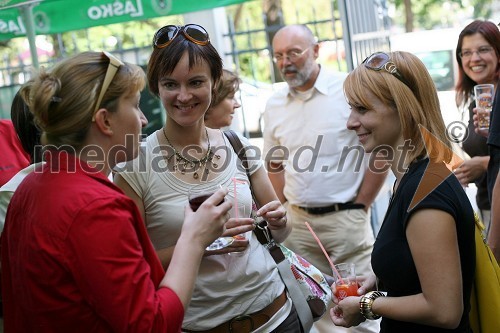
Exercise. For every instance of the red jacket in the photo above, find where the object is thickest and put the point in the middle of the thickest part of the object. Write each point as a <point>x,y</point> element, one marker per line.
<point>76,257</point>
<point>13,158</point>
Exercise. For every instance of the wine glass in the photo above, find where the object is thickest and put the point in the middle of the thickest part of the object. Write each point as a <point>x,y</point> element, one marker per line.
<point>197,194</point>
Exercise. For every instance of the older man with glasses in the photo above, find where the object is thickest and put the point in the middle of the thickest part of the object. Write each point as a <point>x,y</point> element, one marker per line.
<point>316,164</point>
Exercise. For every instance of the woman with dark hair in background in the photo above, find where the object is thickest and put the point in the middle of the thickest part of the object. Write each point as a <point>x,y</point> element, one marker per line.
<point>221,112</point>
<point>29,136</point>
<point>478,57</point>
<point>13,157</point>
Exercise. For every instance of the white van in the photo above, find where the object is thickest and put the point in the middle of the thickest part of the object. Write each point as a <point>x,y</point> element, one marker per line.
<point>436,49</point>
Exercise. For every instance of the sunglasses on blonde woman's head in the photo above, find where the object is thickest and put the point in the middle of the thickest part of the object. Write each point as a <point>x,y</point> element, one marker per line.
<point>381,61</point>
<point>193,32</point>
<point>114,64</point>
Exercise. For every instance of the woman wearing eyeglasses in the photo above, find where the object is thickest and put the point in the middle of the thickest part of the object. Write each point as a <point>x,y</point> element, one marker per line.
<point>424,254</point>
<point>478,57</point>
<point>76,256</point>
<point>238,288</point>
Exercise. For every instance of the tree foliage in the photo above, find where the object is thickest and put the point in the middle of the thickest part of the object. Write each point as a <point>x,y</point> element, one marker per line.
<point>254,57</point>
<point>429,14</point>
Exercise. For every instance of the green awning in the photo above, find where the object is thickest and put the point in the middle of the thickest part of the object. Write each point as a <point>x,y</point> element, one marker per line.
<point>56,16</point>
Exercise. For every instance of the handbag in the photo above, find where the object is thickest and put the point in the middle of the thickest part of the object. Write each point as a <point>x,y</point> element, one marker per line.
<point>484,315</point>
<point>306,285</point>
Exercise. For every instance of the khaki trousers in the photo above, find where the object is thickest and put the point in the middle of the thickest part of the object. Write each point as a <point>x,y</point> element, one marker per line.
<point>347,237</point>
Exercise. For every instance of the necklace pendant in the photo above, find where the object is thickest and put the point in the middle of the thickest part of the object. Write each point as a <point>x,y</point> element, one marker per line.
<point>183,164</point>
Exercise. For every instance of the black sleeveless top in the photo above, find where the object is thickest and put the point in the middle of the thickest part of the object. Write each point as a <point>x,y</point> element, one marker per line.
<point>392,260</point>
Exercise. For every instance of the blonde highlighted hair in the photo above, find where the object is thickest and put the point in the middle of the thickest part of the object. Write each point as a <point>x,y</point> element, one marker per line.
<point>63,98</point>
<point>416,103</point>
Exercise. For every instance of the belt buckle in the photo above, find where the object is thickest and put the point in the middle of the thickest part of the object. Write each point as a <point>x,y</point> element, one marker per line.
<point>241,318</point>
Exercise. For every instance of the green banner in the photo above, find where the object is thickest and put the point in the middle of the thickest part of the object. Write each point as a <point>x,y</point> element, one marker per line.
<point>14,3</point>
<point>56,16</point>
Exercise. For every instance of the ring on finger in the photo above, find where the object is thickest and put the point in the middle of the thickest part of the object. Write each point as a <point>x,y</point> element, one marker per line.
<point>285,220</point>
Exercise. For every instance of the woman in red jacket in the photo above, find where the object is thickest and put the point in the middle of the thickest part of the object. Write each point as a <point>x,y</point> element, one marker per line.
<point>75,253</point>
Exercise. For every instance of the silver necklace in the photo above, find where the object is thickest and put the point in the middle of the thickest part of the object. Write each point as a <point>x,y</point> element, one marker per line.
<point>184,164</point>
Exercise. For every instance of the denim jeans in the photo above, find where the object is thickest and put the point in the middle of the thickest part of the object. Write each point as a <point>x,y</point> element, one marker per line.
<point>291,324</point>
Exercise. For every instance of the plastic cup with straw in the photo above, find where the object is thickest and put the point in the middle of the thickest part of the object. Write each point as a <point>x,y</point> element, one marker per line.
<point>344,274</point>
<point>236,206</point>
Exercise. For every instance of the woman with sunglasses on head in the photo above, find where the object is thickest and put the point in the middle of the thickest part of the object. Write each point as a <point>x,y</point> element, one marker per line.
<point>238,287</point>
<point>478,57</point>
<point>75,254</point>
<point>424,254</point>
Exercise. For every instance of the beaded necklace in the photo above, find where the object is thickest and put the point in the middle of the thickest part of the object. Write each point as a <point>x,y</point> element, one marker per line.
<point>183,164</point>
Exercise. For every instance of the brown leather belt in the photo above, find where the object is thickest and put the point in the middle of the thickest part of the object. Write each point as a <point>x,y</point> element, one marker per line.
<point>248,323</point>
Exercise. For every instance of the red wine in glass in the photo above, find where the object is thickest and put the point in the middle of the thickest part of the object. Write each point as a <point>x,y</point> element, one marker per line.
<point>196,202</point>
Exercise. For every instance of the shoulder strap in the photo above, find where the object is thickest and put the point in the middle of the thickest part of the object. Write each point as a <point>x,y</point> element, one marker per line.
<point>235,141</point>
<point>263,236</point>
<point>276,252</point>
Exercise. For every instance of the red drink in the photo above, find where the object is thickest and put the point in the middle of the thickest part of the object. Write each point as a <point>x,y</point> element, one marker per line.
<point>196,197</point>
<point>196,202</point>
<point>344,290</point>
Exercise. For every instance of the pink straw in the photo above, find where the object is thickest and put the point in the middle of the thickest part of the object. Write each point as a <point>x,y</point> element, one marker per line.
<point>235,181</point>
<point>324,252</point>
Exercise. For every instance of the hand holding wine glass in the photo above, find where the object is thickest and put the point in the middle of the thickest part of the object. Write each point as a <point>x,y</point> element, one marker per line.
<point>208,220</point>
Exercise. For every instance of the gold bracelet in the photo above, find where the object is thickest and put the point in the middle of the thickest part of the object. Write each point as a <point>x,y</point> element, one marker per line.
<point>366,302</point>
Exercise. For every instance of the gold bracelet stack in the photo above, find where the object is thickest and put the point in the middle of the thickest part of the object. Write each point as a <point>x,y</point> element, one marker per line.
<point>366,302</point>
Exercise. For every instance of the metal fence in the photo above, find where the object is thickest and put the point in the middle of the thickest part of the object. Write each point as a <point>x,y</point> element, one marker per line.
<point>354,28</point>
